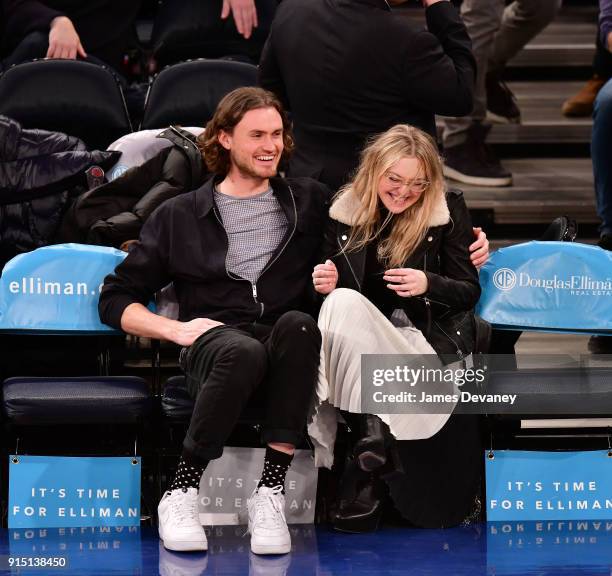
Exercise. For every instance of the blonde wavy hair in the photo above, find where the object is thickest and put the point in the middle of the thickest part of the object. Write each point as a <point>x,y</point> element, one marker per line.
<point>409,227</point>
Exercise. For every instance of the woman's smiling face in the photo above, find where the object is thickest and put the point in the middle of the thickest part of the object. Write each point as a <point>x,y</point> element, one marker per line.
<point>402,184</point>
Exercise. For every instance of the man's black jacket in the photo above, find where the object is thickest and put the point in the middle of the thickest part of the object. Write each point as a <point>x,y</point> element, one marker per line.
<point>348,69</point>
<point>184,242</point>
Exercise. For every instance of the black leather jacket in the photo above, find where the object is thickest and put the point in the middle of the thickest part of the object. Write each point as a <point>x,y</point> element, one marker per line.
<point>444,312</point>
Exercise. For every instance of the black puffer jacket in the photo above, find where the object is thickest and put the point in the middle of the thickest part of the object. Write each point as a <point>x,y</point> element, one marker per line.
<point>40,172</point>
<point>113,213</point>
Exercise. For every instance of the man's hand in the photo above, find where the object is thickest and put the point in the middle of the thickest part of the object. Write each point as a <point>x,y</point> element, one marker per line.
<point>187,333</point>
<point>325,277</point>
<point>64,42</point>
<point>479,250</point>
<point>406,282</point>
<point>245,15</point>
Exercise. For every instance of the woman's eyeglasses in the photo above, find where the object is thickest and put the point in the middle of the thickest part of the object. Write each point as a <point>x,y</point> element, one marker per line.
<point>415,186</point>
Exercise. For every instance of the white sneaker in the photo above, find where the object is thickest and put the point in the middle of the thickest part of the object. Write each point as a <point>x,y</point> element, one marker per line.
<point>179,522</point>
<point>267,524</point>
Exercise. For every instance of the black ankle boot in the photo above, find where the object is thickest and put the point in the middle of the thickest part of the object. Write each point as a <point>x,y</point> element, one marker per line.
<point>361,499</point>
<point>371,450</point>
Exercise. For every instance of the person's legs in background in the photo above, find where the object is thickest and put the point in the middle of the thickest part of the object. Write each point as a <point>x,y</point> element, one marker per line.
<point>581,103</point>
<point>601,151</point>
<point>467,158</point>
<point>498,33</point>
<point>522,20</point>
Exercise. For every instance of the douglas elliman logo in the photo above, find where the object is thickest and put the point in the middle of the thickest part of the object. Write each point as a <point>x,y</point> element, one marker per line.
<point>504,279</point>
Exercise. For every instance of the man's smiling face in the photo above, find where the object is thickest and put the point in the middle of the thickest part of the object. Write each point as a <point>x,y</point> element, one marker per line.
<point>255,144</point>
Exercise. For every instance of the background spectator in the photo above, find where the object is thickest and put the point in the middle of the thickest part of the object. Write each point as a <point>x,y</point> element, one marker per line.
<point>497,33</point>
<point>360,70</point>
<point>99,30</point>
<point>211,29</point>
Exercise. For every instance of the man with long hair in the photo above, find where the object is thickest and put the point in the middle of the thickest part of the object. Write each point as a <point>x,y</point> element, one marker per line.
<point>239,251</point>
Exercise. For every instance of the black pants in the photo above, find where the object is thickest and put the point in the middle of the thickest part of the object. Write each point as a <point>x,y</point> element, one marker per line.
<point>228,363</point>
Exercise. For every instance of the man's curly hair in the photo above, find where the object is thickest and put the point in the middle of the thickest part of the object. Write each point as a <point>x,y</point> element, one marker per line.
<point>230,112</point>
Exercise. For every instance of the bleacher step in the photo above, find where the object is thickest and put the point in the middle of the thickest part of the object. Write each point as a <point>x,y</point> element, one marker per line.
<point>541,119</point>
<point>543,189</point>
<point>569,41</point>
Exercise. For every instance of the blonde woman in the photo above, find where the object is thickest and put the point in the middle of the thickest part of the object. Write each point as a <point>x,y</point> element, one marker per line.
<point>398,280</point>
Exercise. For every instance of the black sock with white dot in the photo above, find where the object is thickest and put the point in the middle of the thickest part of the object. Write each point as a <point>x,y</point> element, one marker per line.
<point>275,468</point>
<point>188,473</point>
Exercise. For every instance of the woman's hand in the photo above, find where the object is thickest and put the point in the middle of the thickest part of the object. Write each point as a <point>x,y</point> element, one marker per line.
<point>325,277</point>
<point>479,249</point>
<point>406,282</point>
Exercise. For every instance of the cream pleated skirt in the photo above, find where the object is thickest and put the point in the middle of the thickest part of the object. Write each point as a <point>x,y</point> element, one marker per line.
<point>351,326</point>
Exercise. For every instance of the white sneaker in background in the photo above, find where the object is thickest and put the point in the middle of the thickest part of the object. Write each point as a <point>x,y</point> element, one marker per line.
<point>179,521</point>
<point>267,524</point>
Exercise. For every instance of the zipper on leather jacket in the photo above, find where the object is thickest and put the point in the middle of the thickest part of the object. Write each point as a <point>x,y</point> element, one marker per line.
<point>261,304</point>
<point>429,318</point>
<point>427,302</point>
<point>458,350</point>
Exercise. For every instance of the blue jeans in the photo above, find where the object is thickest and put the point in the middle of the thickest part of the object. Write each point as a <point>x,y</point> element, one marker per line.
<point>601,152</point>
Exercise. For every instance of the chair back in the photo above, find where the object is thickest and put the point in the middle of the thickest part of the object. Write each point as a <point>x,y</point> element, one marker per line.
<point>55,289</point>
<point>187,94</point>
<point>71,96</point>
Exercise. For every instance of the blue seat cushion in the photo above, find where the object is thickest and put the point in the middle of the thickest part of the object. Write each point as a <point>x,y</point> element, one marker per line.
<point>94,400</point>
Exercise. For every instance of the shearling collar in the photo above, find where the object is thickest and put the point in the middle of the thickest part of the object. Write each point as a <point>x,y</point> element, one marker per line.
<point>344,209</point>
